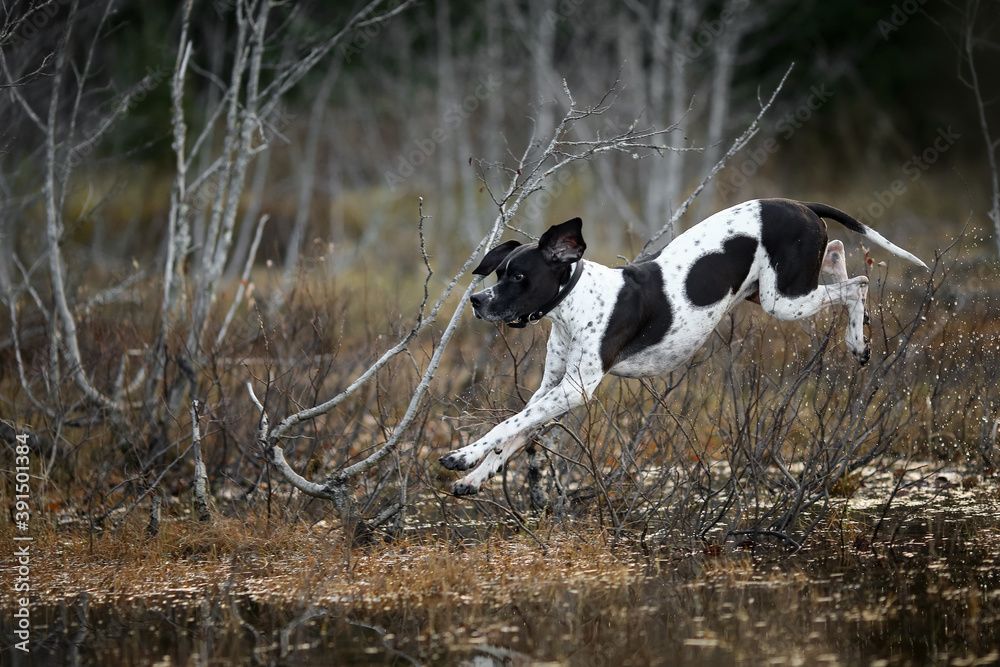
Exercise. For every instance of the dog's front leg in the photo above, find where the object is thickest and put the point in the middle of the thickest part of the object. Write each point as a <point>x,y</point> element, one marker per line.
<point>490,466</point>
<point>555,370</point>
<point>510,435</point>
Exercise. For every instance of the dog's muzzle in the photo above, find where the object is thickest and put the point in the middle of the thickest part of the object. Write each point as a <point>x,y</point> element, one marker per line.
<point>478,300</point>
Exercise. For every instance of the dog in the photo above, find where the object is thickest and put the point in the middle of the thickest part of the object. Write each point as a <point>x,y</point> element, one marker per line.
<point>649,317</point>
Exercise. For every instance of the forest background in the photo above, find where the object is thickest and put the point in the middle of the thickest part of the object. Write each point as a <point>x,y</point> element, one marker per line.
<point>215,211</point>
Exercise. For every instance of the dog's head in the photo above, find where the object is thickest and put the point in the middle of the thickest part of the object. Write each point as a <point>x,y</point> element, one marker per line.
<point>528,276</point>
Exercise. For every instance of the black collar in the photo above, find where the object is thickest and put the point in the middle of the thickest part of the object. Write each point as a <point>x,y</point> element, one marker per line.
<point>532,318</point>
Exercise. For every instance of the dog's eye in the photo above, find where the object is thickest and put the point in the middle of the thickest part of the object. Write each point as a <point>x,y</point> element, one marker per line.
<point>517,277</point>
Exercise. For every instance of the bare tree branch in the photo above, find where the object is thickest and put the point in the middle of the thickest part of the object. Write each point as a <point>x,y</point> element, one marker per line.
<point>736,147</point>
<point>524,179</point>
<point>244,281</point>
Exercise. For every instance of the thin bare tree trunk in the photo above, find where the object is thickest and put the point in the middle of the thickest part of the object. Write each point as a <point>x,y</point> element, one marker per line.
<point>240,128</point>
<point>307,180</point>
<point>241,288</point>
<point>725,48</point>
<point>200,474</point>
<point>53,234</point>
<point>334,193</point>
<point>492,138</point>
<point>543,75</point>
<point>665,83</point>
<point>680,99</point>
<point>153,527</point>
<point>969,43</point>
<point>248,222</point>
<point>178,226</point>
<point>446,97</point>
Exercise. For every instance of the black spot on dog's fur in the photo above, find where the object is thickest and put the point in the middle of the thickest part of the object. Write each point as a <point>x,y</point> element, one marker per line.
<point>642,315</point>
<point>719,274</point>
<point>795,240</point>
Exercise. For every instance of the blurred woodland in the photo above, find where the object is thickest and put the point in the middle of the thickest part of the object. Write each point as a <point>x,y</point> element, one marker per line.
<point>235,237</point>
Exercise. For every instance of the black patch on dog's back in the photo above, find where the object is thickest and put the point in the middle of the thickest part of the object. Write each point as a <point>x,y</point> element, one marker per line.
<point>641,317</point>
<point>719,274</point>
<point>794,238</point>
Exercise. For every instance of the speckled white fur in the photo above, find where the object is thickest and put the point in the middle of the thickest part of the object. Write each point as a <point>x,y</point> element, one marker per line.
<point>573,367</point>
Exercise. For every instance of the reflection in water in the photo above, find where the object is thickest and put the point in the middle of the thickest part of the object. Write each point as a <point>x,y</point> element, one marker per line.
<point>932,597</point>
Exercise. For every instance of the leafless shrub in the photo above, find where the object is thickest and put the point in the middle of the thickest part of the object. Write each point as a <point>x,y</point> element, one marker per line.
<point>759,435</point>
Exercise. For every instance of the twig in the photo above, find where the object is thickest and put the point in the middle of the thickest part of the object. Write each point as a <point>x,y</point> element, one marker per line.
<point>768,533</point>
<point>736,147</point>
<point>244,281</point>
<point>150,489</point>
<point>517,517</point>
<point>277,457</point>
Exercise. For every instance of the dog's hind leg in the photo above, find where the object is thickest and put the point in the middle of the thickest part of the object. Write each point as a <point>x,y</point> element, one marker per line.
<point>833,261</point>
<point>852,293</point>
<point>834,265</point>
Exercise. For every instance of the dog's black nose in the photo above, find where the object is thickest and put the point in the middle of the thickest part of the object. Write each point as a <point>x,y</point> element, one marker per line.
<point>477,301</point>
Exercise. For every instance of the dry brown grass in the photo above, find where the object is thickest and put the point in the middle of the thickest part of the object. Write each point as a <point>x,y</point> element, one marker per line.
<point>750,394</point>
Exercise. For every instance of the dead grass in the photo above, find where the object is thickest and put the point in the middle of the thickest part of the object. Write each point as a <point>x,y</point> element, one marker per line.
<point>642,458</point>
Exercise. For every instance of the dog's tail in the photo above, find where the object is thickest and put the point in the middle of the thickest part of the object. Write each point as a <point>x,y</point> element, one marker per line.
<point>824,211</point>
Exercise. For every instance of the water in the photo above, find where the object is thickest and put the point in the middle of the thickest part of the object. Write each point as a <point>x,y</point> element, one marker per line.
<point>925,592</point>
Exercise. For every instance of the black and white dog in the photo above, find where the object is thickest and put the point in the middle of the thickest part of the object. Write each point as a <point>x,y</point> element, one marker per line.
<point>649,317</point>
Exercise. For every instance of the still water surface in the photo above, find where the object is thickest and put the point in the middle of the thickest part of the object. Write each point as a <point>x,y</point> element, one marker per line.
<point>930,597</point>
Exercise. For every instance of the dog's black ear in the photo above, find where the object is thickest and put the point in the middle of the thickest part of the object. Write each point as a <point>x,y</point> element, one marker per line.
<point>494,258</point>
<point>563,243</point>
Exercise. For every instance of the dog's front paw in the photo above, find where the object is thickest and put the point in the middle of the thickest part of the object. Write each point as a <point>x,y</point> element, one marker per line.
<point>456,460</point>
<point>463,487</point>
<point>864,354</point>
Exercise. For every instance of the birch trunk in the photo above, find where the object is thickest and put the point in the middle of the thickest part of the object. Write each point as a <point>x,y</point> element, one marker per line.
<point>680,98</point>
<point>446,97</point>
<point>666,85</point>
<point>725,49</point>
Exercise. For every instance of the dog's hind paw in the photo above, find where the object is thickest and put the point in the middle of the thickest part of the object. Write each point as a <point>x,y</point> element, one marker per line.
<point>464,488</point>
<point>455,461</point>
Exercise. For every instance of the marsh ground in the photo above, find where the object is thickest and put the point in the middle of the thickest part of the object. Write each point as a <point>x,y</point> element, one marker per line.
<point>917,583</point>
